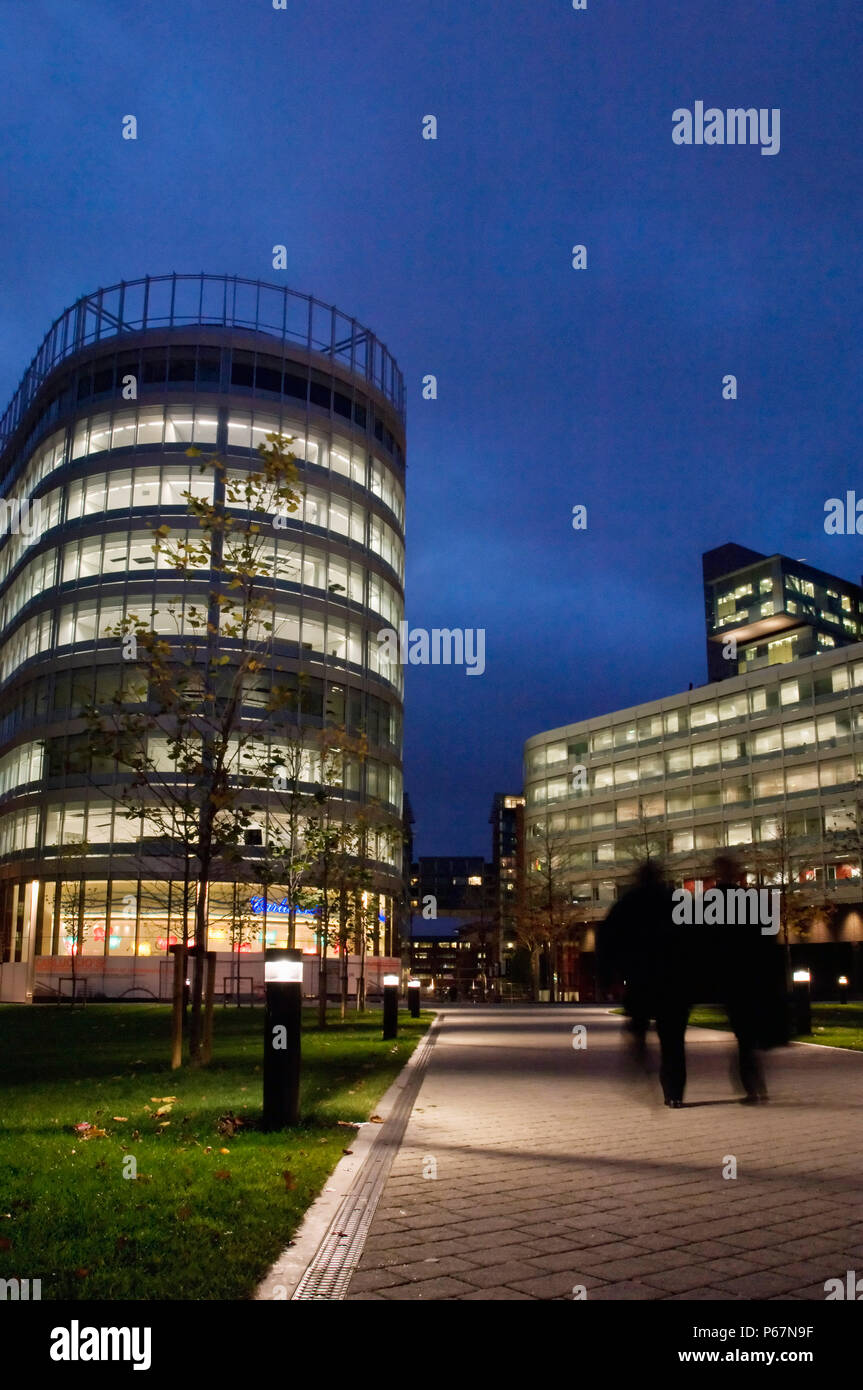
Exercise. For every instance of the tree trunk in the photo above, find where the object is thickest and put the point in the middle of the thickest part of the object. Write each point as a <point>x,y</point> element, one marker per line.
<point>325,932</point>
<point>196,1032</point>
<point>177,1010</point>
<point>322,984</point>
<point>208,963</point>
<point>343,947</point>
<point>238,938</point>
<point>359,912</point>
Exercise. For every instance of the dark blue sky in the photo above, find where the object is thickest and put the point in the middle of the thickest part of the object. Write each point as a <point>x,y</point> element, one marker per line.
<point>556,386</point>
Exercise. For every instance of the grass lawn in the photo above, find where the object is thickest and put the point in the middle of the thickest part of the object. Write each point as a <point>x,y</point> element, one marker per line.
<point>834,1025</point>
<point>209,1210</point>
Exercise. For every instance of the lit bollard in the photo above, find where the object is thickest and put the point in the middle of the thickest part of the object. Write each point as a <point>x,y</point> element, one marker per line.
<point>842,982</point>
<point>283,979</point>
<point>391,1006</point>
<point>414,998</point>
<point>802,1004</point>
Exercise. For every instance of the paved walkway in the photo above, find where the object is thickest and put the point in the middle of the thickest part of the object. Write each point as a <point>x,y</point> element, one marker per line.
<point>552,1171</point>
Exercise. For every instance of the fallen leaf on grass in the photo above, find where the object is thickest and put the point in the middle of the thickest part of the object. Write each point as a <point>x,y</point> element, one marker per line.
<point>348,1124</point>
<point>376,1120</point>
<point>222,1173</point>
<point>290,1181</point>
<point>183,1213</point>
<point>163,1124</point>
<point>81,1273</point>
<point>94,1134</point>
<point>164,1109</point>
<point>120,1119</point>
<point>163,1100</point>
<point>224,1151</point>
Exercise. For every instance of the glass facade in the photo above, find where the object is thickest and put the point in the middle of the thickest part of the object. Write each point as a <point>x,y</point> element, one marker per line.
<point>92,473</point>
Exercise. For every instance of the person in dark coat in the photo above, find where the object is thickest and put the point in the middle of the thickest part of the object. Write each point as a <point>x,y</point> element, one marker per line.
<point>741,963</point>
<point>639,943</point>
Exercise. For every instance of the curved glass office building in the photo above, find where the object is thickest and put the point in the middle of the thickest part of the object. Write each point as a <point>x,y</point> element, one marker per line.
<point>94,454</point>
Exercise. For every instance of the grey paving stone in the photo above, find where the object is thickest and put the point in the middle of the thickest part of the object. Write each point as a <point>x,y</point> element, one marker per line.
<point>372,1280</point>
<point>433,1268</point>
<point>705,1296</point>
<point>553,1285</point>
<point>624,1291</point>
<point>515,1274</point>
<point>765,1284</point>
<point>683,1278</point>
<point>430,1289</point>
<point>496,1295</point>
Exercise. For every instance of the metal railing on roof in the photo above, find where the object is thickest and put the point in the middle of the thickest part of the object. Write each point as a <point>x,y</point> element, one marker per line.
<point>226,301</point>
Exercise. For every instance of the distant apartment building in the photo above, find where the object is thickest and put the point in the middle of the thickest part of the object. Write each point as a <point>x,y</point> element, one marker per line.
<point>458,884</point>
<point>451,936</point>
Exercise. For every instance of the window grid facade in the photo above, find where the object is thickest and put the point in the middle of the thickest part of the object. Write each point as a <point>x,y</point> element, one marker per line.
<point>719,766</point>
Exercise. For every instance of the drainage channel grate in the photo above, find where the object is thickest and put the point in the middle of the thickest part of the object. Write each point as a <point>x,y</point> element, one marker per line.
<point>338,1254</point>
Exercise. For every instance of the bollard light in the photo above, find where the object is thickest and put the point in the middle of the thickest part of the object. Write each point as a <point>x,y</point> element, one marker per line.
<point>414,998</point>
<point>802,1002</point>
<point>391,1006</point>
<point>283,981</point>
<point>842,982</point>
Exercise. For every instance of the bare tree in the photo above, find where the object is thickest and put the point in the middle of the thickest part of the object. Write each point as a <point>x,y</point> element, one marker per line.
<point>72,917</point>
<point>546,913</point>
<point>776,865</point>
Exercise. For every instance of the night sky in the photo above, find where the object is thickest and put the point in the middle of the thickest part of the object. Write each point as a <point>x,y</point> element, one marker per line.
<point>556,387</point>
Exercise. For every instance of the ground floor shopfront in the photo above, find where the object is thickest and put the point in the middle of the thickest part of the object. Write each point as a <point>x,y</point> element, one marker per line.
<point>119,932</point>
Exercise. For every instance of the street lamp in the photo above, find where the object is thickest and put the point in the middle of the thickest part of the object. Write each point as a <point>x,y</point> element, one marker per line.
<point>414,998</point>
<point>802,1002</point>
<point>391,1006</point>
<point>283,980</point>
<point>842,982</point>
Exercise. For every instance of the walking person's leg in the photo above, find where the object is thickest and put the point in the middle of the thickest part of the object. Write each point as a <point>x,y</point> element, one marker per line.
<point>742,1017</point>
<point>637,1024</point>
<point>671,1024</point>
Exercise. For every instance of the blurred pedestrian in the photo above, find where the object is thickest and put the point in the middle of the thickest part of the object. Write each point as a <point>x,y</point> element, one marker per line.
<point>639,943</point>
<point>740,960</point>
